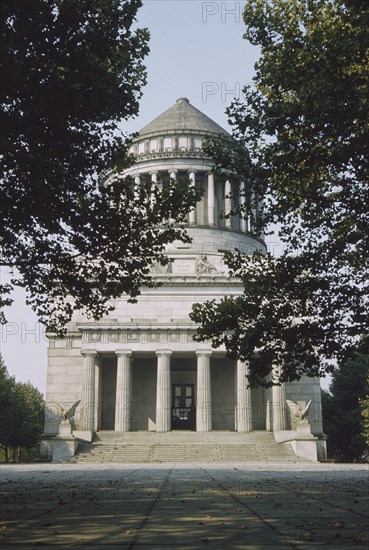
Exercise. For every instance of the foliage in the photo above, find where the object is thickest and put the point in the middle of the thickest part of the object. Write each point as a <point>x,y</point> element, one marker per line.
<point>342,419</point>
<point>364,406</point>
<point>304,124</point>
<point>7,384</point>
<point>73,72</point>
<point>22,412</point>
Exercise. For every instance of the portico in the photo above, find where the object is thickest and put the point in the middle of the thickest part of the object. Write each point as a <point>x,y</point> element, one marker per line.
<point>170,389</point>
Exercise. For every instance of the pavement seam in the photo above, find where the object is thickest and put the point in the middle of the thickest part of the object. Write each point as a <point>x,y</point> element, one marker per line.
<point>74,500</point>
<point>260,518</point>
<point>139,530</point>
<point>317,499</point>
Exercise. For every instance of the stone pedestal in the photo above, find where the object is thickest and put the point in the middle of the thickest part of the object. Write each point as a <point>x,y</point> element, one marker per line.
<point>303,442</point>
<point>64,445</point>
<point>305,446</point>
<point>303,428</point>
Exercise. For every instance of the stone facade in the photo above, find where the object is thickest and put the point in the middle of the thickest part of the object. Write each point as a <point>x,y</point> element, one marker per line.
<point>139,368</point>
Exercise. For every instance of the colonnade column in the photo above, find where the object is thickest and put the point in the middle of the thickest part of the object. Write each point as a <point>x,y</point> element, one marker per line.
<point>211,200</point>
<point>87,408</point>
<point>243,203</point>
<point>137,187</point>
<point>154,180</point>
<point>123,391</point>
<point>244,405</point>
<point>173,176</point>
<point>254,212</point>
<point>228,203</point>
<point>203,405</point>
<point>163,392</point>
<point>279,403</point>
<point>192,214</point>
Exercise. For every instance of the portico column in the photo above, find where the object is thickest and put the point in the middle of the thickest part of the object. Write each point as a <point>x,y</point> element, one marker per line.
<point>87,421</point>
<point>279,403</point>
<point>203,405</point>
<point>228,203</point>
<point>244,405</point>
<point>192,214</point>
<point>211,200</point>
<point>123,391</point>
<point>163,392</point>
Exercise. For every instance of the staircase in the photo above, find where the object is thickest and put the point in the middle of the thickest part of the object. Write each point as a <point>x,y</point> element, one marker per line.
<point>183,446</point>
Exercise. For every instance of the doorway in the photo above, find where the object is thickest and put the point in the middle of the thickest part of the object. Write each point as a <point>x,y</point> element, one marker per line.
<point>183,407</point>
<point>108,383</point>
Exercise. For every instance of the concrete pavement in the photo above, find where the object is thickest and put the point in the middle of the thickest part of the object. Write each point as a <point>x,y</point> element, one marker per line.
<point>185,506</point>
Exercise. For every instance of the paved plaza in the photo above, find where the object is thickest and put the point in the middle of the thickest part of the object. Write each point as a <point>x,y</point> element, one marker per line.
<point>187,506</point>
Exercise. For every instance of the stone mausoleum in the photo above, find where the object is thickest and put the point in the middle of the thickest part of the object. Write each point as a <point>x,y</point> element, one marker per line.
<point>139,369</point>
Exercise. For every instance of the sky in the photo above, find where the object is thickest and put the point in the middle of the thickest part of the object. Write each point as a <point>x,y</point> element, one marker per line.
<point>198,52</point>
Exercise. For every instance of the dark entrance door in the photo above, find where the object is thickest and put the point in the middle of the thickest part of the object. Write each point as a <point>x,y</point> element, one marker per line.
<point>108,384</point>
<point>183,407</point>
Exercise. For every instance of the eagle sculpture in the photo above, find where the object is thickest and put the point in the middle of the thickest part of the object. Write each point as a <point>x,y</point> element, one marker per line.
<point>67,414</point>
<point>299,412</point>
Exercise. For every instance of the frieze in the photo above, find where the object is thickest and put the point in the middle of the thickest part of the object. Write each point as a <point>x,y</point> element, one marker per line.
<point>117,336</point>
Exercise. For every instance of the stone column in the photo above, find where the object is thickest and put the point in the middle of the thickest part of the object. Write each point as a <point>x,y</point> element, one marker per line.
<point>227,203</point>
<point>154,179</point>
<point>254,212</point>
<point>173,176</point>
<point>211,200</point>
<point>163,392</point>
<point>243,202</point>
<point>279,403</point>
<point>203,405</point>
<point>192,214</point>
<point>123,391</point>
<point>87,419</point>
<point>244,405</point>
<point>137,187</point>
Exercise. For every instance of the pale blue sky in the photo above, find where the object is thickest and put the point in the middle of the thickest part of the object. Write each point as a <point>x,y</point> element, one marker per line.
<point>197,51</point>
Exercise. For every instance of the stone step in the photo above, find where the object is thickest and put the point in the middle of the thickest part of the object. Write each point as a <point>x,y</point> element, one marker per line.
<point>133,447</point>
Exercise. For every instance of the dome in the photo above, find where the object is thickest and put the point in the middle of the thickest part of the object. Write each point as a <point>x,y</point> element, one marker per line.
<point>182,117</point>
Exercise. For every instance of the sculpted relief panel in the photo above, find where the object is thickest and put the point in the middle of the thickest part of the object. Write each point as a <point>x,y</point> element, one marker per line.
<point>136,336</point>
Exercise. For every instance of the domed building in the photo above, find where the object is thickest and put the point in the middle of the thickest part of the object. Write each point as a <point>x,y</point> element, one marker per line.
<point>139,369</point>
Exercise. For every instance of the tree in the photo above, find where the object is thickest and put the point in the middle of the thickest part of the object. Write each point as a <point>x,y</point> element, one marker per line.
<point>7,385</point>
<point>22,414</point>
<point>364,406</point>
<point>304,125</point>
<point>72,73</point>
<point>342,419</point>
